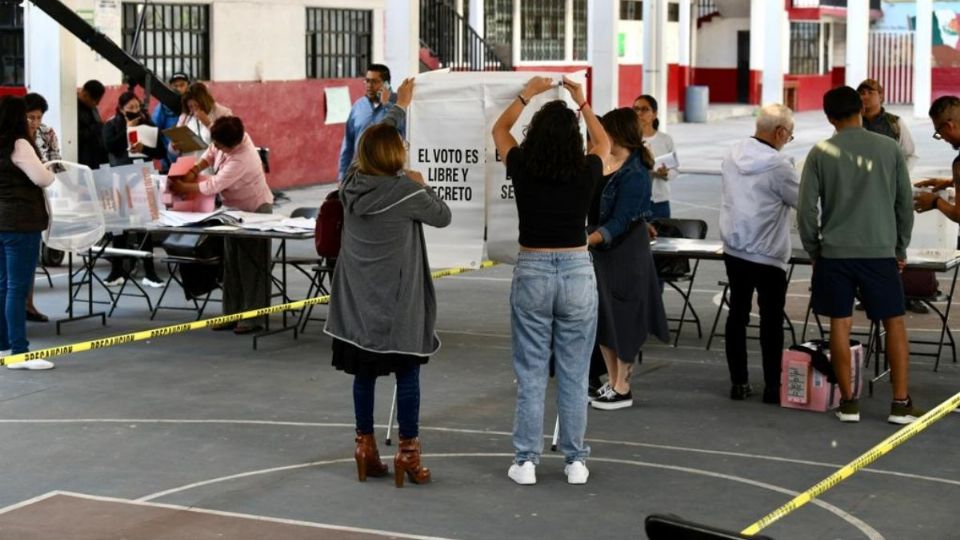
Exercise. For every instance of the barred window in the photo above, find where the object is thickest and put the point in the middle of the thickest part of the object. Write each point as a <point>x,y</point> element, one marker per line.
<point>632,10</point>
<point>543,27</point>
<point>805,48</point>
<point>339,42</point>
<point>579,30</point>
<point>169,38</point>
<point>11,43</point>
<point>498,21</point>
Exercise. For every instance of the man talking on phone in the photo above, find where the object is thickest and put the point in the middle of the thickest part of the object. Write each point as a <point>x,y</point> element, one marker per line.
<point>366,111</point>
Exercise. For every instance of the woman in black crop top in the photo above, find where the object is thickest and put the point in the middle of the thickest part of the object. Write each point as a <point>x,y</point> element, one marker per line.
<point>553,299</point>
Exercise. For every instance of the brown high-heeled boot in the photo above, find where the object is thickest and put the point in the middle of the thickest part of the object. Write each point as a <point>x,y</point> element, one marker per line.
<point>368,458</point>
<point>408,461</point>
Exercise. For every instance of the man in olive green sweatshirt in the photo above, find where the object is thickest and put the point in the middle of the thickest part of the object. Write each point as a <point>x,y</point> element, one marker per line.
<point>855,215</point>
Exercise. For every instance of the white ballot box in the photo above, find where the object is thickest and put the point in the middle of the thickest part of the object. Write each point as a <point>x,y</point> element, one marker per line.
<point>76,219</point>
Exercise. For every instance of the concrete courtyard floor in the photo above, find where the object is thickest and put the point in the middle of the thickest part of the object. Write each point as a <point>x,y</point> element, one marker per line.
<point>197,436</point>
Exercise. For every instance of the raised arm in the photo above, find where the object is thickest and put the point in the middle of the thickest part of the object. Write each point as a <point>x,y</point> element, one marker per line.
<point>600,142</point>
<point>502,137</point>
<point>397,112</point>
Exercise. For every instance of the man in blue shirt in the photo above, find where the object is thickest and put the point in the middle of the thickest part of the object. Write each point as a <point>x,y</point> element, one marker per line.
<point>165,118</point>
<point>366,111</point>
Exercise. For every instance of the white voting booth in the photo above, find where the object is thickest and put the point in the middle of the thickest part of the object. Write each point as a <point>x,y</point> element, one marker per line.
<point>449,128</point>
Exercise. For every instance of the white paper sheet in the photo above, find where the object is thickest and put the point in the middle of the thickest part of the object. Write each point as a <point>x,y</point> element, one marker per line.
<point>338,104</point>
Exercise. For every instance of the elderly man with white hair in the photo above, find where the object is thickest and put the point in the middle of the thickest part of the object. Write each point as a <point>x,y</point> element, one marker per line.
<point>760,186</point>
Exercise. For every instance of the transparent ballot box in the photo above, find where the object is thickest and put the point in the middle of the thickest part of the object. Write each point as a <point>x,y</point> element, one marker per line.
<point>76,217</point>
<point>128,196</point>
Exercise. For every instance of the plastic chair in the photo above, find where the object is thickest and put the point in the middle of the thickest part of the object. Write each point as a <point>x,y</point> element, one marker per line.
<point>674,270</point>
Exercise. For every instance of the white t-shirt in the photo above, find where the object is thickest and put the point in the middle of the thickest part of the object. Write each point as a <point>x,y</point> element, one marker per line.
<point>659,145</point>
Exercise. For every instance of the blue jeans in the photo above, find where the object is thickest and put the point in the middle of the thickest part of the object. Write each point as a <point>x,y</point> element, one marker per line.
<point>553,312</point>
<point>18,261</point>
<point>408,402</point>
<point>660,210</point>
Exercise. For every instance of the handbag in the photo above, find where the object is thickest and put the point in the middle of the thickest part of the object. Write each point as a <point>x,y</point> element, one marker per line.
<point>197,246</point>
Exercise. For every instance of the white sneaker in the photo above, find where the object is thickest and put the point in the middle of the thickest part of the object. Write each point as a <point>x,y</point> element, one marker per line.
<point>147,282</point>
<point>525,475</point>
<point>114,282</point>
<point>576,472</point>
<point>33,365</point>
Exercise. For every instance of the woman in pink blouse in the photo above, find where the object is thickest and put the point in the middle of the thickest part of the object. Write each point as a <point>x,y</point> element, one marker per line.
<point>239,179</point>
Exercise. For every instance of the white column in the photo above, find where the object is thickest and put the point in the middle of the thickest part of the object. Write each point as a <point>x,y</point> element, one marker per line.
<point>402,43</point>
<point>568,30</point>
<point>517,27</point>
<point>51,71</point>
<point>460,33</point>
<point>858,28</point>
<point>602,18</point>
<point>478,19</point>
<point>757,34</point>
<point>684,50</point>
<point>772,52</point>
<point>922,55</point>
<point>654,59</point>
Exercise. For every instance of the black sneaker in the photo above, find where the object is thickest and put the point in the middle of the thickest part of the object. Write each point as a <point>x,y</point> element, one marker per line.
<point>904,412</point>
<point>612,401</point>
<point>601,390</point>
<point>740,392</point>
<point>771,395</point>
<point>848,410</point>
<point>918,307</point>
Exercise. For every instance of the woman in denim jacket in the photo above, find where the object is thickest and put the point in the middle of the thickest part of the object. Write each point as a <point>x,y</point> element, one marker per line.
<point>628,289</point>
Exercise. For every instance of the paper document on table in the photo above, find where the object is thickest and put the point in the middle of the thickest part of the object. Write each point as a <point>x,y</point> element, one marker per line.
<point>668,160</point>
<point>170,218</point>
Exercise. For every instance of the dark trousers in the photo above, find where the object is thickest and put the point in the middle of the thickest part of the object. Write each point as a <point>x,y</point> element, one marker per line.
<point>246,273</point>
<point>408,402</point>
<point>770,282</point>
<point>18,261</point>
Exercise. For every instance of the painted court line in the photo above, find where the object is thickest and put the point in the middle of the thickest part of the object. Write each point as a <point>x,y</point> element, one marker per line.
<point>467,431</point>
<point>866,529</point>
<point>282,521</point>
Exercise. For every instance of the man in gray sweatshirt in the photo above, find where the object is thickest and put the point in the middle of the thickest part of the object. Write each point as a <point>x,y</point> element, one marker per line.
<point>759,188</point>
<point>855,215</point>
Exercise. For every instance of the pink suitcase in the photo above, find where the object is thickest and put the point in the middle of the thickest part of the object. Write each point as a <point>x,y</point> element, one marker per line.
<point>804,387</point>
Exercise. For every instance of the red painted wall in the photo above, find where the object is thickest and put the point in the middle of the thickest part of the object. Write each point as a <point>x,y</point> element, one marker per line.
<point>285,116</point>
<point>946,82</point>
<point>722,83</point>
<point>810,90</point>
<point>12,91</point>
<point>631,83</point>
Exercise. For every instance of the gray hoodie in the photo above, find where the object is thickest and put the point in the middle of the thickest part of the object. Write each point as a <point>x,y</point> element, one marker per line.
<point>382,297</point>
<point>760,186</point>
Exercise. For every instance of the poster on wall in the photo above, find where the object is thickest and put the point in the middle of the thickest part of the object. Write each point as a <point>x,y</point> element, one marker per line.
<point>449,129</point>
<point>107,17</point>
<point>445,128</point>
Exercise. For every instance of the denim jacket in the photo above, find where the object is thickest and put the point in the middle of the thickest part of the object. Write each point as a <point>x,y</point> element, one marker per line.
<point>625,199</point>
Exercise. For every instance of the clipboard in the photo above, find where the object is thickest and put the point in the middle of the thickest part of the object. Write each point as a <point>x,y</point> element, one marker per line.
<point>185,139</point>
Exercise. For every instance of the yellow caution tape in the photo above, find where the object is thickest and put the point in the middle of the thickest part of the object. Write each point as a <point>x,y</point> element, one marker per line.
<point>901,436</point>
<point>123,339</point>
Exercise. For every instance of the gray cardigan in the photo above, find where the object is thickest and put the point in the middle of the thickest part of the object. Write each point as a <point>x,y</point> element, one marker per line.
<point>382,297</point>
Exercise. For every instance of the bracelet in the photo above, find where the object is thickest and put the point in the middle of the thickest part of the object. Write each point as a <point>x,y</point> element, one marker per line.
<point>582,105</point>
<point>520,97</point>
<point>936,204</point>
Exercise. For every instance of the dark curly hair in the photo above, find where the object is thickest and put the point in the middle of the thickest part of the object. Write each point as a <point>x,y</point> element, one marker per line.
<point>552,144</point>
<point>623,129</point>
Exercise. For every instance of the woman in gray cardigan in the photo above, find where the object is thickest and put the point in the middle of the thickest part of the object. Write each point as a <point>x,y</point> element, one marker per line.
<point>382,304</point>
